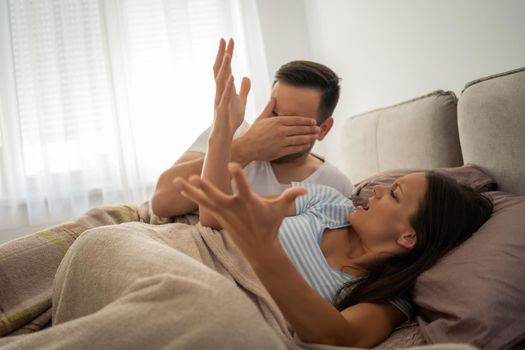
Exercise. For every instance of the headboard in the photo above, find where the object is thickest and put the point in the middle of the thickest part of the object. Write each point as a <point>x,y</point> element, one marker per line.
<point>485,126</point>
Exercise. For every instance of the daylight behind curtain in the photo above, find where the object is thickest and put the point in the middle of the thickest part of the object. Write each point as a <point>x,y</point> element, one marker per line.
<point>97,98</point>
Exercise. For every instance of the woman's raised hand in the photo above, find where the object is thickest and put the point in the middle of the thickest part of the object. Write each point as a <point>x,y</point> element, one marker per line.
<point>252,221</point>
<point>229,106</point>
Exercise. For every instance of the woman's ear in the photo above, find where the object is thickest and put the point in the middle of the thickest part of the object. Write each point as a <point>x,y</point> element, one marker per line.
<point>407,240</point>
<point>325,128</point>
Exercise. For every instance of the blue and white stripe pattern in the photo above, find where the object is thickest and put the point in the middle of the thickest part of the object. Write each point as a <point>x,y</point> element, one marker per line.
<point>321,208</point>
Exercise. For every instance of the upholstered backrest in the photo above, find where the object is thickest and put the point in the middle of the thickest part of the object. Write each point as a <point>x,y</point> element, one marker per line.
<point>491,123</point>
<point>420,133</point>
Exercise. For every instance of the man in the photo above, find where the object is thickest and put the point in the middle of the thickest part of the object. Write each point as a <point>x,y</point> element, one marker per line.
<point>275,150</point>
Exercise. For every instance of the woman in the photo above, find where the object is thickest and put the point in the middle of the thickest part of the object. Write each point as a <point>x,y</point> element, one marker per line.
<point>349,267</point>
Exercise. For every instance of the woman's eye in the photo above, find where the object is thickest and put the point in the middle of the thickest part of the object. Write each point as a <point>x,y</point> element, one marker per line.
<point>393,195</point>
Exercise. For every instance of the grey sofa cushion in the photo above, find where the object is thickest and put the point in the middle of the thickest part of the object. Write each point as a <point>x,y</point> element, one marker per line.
<point>491,122</point>
<point>419,133</point>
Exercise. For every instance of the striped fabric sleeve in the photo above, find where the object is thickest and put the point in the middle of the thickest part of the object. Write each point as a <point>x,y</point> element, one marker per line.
<point>317,195</point>
<point>405,306</point>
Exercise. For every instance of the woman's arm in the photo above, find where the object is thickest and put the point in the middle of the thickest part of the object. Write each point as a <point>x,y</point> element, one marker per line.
<point>253,223</point>
<point>229,115</point>
<point>313,318</point>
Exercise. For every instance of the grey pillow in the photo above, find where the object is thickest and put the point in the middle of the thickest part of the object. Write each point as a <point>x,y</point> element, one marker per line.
<point>476,293</point>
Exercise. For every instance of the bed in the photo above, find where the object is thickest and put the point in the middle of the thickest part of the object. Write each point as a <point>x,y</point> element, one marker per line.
<point>476,138</point>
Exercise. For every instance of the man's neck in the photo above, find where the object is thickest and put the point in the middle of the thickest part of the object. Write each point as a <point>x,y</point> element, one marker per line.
<point>297,169</point>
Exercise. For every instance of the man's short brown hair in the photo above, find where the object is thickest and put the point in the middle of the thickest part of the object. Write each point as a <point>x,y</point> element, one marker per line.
<point>312,75</point>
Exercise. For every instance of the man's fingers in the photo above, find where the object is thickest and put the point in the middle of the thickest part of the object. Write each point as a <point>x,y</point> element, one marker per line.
<point>245,89</point>
<point>243,189</point>
<point>219,57</point>
<point>268,110</point>
<point>300,140</point>
<point>296,120</point>
<point>302,130</point>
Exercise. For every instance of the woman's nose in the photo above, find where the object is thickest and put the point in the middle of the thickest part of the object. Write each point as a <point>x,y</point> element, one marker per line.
<point>379,191</point>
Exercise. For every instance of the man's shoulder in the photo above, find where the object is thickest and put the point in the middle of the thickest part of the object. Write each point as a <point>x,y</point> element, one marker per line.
<point>329,175</point>
<point>328,168</point>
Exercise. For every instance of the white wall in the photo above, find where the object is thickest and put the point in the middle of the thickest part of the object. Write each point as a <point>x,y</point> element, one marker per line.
<point>284,28</point>
<point>389,51</point>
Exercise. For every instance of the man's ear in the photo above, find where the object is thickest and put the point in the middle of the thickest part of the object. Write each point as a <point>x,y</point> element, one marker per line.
<point>407,239</point>
<point>325,128</point>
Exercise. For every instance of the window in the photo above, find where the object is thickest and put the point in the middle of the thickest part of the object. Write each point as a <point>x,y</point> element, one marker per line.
<point>101,96</point>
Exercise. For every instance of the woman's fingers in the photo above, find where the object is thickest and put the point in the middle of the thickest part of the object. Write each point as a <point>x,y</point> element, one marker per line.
<point>290,194</point>
<point>245,89</point>
<point>215,195</point>
<point>192,192</point>
<point>202,192</point>
<point>229,49</point>
<point>219,57</point>
<point>227,93</point>
<point>243,188</point>
<point>222,77</point>
<point>285,200</point>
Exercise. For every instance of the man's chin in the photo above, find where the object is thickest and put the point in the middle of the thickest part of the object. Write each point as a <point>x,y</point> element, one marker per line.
<point>291,157</point>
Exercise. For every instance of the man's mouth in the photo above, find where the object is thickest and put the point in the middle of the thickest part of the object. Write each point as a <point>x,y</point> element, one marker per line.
<point>360,207</point>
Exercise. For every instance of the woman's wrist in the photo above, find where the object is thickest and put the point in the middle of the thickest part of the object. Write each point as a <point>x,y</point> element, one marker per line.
<point>220,138</point>
<point>240,151</point>
<point>269,259</point>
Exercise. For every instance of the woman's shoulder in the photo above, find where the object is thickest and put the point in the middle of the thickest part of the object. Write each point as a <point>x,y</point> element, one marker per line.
<point>319,190</point>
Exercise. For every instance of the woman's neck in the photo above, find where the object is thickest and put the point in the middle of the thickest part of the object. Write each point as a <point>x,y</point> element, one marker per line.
<point>345,251</point>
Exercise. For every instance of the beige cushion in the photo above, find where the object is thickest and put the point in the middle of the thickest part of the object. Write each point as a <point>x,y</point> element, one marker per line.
<point>491,121</point>
<point>420,133</point>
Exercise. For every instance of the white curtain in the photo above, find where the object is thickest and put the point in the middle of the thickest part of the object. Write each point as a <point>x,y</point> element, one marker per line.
<point>97,98</point>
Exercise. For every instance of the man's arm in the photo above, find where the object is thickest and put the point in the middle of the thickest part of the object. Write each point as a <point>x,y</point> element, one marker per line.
<point>167,200</point>
<point>267,138</point>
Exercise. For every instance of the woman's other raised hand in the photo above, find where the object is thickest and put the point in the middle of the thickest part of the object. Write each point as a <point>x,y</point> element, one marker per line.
<point>229,106</point>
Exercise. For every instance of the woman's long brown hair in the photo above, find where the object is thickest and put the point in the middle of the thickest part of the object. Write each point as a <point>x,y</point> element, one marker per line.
<point>447,216</point>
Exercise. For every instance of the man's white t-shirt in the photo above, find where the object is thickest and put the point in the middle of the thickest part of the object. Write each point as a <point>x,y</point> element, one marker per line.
<point>262,179</point>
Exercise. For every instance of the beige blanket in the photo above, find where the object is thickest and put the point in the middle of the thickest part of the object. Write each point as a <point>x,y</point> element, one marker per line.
<point>136,285</point>
<point>28,265</point>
